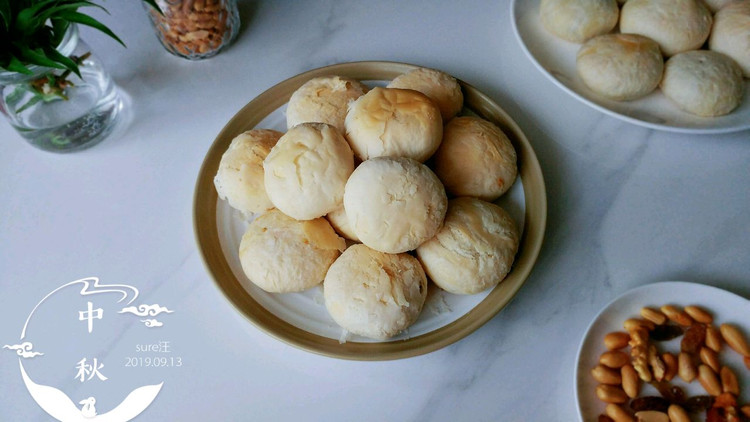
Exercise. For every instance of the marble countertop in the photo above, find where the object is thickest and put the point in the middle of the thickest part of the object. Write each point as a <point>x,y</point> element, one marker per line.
<point>628,206</point>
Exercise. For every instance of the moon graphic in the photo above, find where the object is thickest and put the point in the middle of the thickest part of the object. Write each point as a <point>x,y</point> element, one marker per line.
<point>62,408</point>
<point>54,401</point>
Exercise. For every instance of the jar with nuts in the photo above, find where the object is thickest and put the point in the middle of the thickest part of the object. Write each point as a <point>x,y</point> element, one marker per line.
<point>195,29</point>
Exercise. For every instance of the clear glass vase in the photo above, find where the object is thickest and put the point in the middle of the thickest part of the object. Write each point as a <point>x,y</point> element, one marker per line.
<point>55,109</point>
<point>195,29</point>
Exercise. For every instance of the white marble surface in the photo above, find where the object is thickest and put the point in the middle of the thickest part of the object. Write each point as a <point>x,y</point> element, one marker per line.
<point>627,206</point>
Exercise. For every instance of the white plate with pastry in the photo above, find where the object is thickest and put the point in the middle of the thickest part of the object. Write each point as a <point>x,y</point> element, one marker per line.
<point>301,319</point>
<point>556,59</point>
<point>723,306</point>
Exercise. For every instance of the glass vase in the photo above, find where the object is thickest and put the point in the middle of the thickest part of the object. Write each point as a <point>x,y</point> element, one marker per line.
<point>55,109</point>
<point>195,29</point>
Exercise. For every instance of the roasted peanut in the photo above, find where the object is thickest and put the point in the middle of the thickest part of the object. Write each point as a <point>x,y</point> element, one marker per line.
<point>614,359</point>
<point>685,367</point>
<point>616,340</point>
<point>604,418</point>
<point>631,324</point>
<point>729,383</point>
<point>677,315</point>
<point>713,338</point>
<point>631,384</point>
<point>745,410</point>
<point>746,360</point>
<point>653,315</point>
<point>699,314</point>
<point>710,358</point>
<point>670,361</point>
<point>611,394</point>
<point>677,414</point>
<point>734,338</point>
<point>618,413</point>
<point>605,375</point>
<point>708,379</point>
<point>651,416</point>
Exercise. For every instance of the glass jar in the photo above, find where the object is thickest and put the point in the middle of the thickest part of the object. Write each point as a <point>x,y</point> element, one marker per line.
<point>55,109</point>
<point>195,29</point>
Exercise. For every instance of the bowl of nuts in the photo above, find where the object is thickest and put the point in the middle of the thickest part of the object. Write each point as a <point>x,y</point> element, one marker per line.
<point>669,351</point>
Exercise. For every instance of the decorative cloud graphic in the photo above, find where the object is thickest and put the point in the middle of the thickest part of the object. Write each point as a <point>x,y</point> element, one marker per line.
<point>145,310</point>
<point>151,323</point>
<point>23,349</point>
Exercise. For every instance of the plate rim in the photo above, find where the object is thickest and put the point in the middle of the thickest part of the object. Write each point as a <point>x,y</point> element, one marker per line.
<point>676,284</point>
<point>604,109</point>
<point>206,231</point>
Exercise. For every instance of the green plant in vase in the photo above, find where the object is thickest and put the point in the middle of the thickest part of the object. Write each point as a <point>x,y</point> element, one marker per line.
<point>43,63</point>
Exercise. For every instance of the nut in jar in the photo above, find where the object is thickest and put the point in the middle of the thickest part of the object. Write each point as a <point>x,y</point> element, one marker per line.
<point>195,29</point>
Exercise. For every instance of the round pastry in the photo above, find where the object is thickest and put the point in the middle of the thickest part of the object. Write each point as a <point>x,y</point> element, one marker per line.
<point>703,82</point>
<point>239,179</point>
<point>677,25</point>
<point>324,100</point>
<point>475,159</point>
<point>715,5</point>
<point>731,34</point>
<point>280,254</point>
<point>394,122</point>
<point>394,203</point>
<point>340,222</point>
<point>305,173</point>
<point>442,88</point>
<point>620,66</point>
<point>374,294</point>
<point>475,248</point>
<point>579,20</point>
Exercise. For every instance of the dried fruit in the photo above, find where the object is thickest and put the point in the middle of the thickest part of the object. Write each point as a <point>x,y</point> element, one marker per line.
<point>657,403</point>
<point>671,393</point>
<point>725,400</point>
<point>698,404</point>
<point>605,418</point>
<point>693,339</point>
<point>666,332</point>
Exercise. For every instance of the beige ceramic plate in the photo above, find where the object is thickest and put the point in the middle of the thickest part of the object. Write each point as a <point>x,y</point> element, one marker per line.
<point>300,319</point>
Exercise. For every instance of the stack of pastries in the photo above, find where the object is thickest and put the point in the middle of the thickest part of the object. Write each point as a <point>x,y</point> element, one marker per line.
<point>372,192</point>
<point>695,51</point>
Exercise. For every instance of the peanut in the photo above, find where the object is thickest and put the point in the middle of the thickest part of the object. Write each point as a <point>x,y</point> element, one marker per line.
<point>699,314</point>
<point>709,381</point>
<point>670,361</point>
<point>631,384</point>
<point>651,416</point>
<point>729,383</point>
<point>618,413</point>
<point>631,324</point>
<point>614,359</point>
<point>710,358</point>
<point>611,394</point>
<point>605,375</point>
<point>734,338</point>
<point>677,315</point>
<point>677,414</point>
<point>745,410</point>
<point>653,315</point>
<point>713,338</point>
<point>616,340</point>
<point>746,360</point>
<point>685,367</point>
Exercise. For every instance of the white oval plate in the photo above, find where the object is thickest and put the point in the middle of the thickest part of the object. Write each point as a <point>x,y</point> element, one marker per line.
<point>723,305</point>
<point>556,59</point>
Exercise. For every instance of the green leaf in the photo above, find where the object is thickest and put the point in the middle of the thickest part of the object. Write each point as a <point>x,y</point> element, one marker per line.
<point>55,55</point>
<point>16,65</point>
<point>89,21</point>
<point>5,12</point>
<point>73,5</point>
<point>38,58</point>
<point>153,4</point>
<point>33,100</point>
